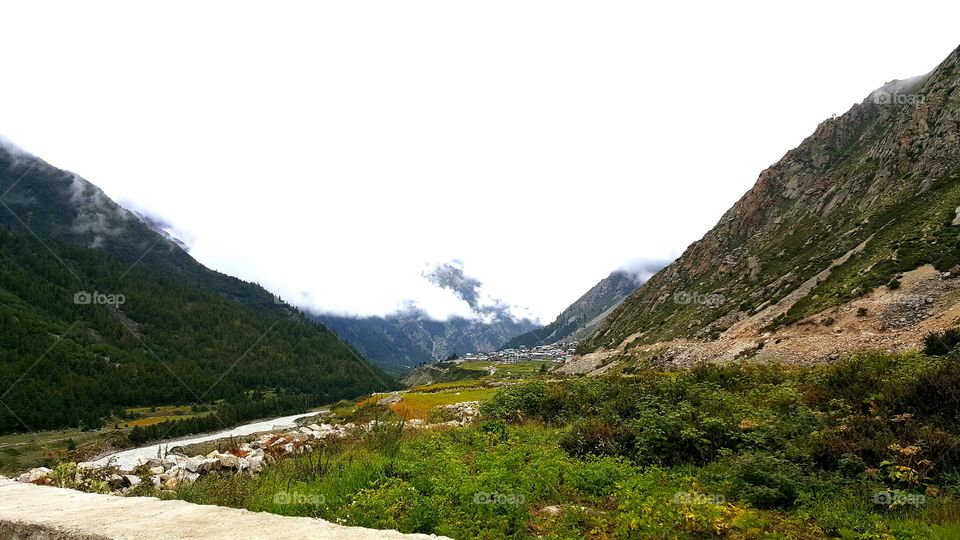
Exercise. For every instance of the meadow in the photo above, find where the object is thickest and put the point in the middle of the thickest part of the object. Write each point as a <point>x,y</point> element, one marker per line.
<point>866,448</point>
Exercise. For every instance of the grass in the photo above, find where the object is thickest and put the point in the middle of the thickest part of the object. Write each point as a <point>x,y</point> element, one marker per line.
<point>22,451</point>
<point>736,451</point>
<point>147,416</point>
<point>475,366</point>
<point>419,404</point>
<point>158,419</point>
<point>523,368</point>
<point>442,386</point>
<point>164,410</point>
<point>527,367</point>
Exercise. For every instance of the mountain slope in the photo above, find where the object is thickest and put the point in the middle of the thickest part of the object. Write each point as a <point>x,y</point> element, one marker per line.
<point>870,195</point>
<point>162,328</point>
<point>406,339</point>
<point>583,316</point>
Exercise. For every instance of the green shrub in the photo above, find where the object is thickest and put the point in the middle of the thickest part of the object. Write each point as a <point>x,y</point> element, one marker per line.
<point>941,343</point>
<point>599,476</point>
<point>765,481</point>
<point>516,403</point>
<point>598,436</point>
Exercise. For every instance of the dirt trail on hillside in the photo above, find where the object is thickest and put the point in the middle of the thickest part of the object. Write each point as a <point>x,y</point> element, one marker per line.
<point>890,320</point>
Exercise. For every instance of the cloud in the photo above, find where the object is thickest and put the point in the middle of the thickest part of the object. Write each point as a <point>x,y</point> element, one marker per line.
<point>169,231</point>
<point>448,276</point>
<point>96,213</point>
<point>536,158</point>
<point>451,277</point>
<point>644,269</point>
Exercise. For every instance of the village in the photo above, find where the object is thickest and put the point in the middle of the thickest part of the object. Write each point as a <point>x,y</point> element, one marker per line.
<point>558,352</point>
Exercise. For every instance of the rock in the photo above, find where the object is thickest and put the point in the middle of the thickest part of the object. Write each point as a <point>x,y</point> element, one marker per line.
<point>192,464</point>
<point>315,427</point>
<point>132,480</point>
<point>753,268</point>
<point>391,399</point>
<point>157,470</point>
<point>956,219</point>
<point>171,483</point>
<point>171,473</point>
<point>552,510</point>
<point>34,475</point>
<point>229,461</point>
<point>255,463</point>
<point>208,465</point>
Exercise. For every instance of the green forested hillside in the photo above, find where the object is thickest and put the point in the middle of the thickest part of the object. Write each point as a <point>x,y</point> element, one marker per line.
<point>183,334</point>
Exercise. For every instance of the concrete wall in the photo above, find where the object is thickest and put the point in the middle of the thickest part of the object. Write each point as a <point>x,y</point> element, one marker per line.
<point>29,512</point>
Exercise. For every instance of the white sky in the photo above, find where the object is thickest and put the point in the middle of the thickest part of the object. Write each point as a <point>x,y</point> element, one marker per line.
<point>331,151</point>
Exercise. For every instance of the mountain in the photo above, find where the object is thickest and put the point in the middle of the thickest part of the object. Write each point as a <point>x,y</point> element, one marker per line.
<point>583,316</point>
<point>405,339</point>
<point>99,311</point>
<point>850,240</point>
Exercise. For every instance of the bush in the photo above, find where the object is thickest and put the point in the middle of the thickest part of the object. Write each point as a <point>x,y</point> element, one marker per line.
<point>765,481</point>
<point>516,403</point>
<point>941,343</point>
<point>598,436</point>
<point>599,477</point>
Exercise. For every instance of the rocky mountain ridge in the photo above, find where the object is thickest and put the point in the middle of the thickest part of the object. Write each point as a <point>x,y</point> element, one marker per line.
<point>409,338</point>
<point>583,316</point>
<point>870,195</point>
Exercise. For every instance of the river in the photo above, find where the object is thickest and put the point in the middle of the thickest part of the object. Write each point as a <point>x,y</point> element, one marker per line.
<point>128,459</point>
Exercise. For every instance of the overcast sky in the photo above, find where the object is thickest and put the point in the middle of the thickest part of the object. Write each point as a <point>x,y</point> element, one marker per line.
<point>336,151</point>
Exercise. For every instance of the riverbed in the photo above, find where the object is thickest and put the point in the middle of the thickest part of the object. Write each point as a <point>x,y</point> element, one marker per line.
<point>128,459</point>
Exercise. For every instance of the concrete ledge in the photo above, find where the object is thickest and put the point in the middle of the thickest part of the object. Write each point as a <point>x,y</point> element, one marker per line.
<point>29,512</point>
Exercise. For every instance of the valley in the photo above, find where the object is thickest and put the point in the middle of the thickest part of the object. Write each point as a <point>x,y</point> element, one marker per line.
<point>794,373</point>
<point>546,455</point>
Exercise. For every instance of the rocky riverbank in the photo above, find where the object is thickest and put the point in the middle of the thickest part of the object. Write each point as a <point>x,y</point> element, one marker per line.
<point>168,471</point>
